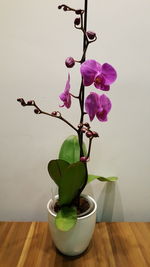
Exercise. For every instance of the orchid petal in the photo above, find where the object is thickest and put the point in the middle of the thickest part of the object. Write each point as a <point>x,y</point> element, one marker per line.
<point>65,96</point>
<point>91,105</point>
<point>88,70</point>
<point>104,108</point>
<point>109,73</point>
<point>67,87</point>
<point>102,116</point>
<point>105,102</point>
<point>102,87</point>
<point>99,83</point>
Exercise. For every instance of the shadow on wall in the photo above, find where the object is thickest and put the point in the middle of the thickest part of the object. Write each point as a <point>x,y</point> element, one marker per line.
<point>109,204</point>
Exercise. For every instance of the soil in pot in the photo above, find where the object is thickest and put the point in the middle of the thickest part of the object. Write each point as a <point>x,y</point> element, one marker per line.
<point>83,207</point>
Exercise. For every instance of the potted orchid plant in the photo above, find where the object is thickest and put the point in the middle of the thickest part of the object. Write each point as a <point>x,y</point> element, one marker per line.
<point>71,214</point>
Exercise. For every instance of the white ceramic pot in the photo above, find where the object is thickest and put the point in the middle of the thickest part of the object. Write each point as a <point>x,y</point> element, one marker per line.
<point>76,240</point>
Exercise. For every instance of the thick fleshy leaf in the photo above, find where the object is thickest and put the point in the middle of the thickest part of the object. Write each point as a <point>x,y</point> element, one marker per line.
<point>70,150</point>
<point>66,218</point>
<point>88,70</point>
<point>92,104</point>
<point>109,73</point>
<point>56,169</point>
<point>72,180</point>
<point>92,177</point>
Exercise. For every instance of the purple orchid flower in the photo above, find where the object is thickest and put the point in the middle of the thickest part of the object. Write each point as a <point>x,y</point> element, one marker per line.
<point>98,105</point>
<point>66,96</point>
<point>101,75</point>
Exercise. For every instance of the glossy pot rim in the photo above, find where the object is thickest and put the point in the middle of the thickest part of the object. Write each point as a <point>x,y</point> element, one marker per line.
<point>82,216</point>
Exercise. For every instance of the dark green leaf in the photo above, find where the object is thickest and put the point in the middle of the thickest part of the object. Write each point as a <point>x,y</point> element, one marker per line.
<point>66,218</point>
<point>56,169</point>
<point>70,150</point>
<point>72,180</point>
<point>92,177</point>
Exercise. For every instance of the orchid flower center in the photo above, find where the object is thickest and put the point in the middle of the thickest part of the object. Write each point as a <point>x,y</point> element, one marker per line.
<point>99,80</point>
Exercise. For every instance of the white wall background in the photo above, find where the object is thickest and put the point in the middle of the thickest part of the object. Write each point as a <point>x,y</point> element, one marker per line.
<point>35,39</point>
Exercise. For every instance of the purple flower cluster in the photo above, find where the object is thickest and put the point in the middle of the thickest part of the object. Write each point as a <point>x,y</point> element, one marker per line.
<point>101,76</point>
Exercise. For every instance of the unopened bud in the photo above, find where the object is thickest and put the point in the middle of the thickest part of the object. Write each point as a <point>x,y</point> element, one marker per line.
<point>37,111</point>
<point>95,134</point>
<point>78,12</point>
<point>59,7</point>
<point>30,102</point>
<point>80,125</point>
<point>65,8</point>
<point>89,134</point>
<point>83,130</point>
<point>69,62</point>
<point>84,159</point>
<point>77,21</point>
<point>91,35</point>
<point>21,100</point>
<point>54,113</point>
<point>86,124</point>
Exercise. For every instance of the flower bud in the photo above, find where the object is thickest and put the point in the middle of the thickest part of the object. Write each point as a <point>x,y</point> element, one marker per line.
<point>89,134</point>
<point>95,134</point>
<point>58,114</point>
<point>69,62</point>
<point>78,12</point>
<point>54,113</point>
<point>77,21</point>
<point>65,8</point>
<point>80,125</point>
<point>86,124</point>
<point>91,35</point>
<point>21,100</point>
<point>83,130</point>
<point>30,102</point>
<point>84,159</point>
<point>37,111</point>
<point>59,7</point>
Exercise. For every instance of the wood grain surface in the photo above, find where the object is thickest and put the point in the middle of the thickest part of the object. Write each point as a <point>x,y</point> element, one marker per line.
<point>29,244</point>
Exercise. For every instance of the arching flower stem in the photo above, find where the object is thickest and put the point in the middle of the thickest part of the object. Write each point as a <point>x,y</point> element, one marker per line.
<point>37,110</point>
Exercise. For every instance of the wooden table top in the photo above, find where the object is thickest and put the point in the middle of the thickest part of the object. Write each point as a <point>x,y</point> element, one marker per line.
<point>113,244</point>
